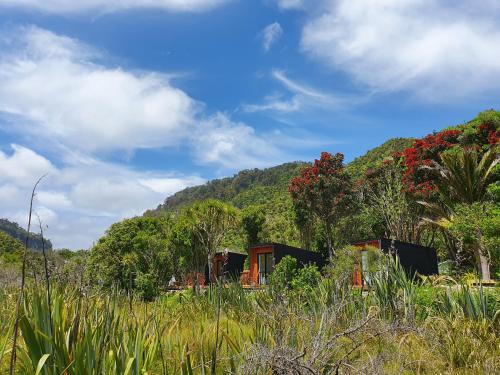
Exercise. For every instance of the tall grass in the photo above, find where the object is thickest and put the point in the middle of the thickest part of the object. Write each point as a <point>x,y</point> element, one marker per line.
<point>229,330</point>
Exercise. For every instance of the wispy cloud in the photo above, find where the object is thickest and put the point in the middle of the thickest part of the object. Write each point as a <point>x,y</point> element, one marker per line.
<point>290,4</point>
<point>299,97</point>
<point>221,141</point>
<point>270,35</point>
<point>106,6</point>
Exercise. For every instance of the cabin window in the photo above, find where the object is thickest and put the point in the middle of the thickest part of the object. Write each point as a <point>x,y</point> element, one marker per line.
<point>365,271</point>
<point>266,263</point>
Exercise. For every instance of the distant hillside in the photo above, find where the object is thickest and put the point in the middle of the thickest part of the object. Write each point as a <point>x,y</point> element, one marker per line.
<point>15,231</point>
<point>374,157</point>
<point>251,186</point>
<point>263,186</point>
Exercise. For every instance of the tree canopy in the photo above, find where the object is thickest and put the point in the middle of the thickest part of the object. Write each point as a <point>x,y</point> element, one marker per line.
<point>132,250</point>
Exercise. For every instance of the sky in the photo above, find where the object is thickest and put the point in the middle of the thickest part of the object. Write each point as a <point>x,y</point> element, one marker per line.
<point>121,103</point>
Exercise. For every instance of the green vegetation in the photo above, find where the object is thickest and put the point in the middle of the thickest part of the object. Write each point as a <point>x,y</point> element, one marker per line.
<point>398,327</point>
<point>133,254</point>
<point>117,308</point>
<point>374,158</point>
<point>11,249</point>
<point>248,187</point>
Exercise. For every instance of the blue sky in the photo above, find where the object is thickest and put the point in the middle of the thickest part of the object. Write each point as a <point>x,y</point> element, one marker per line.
<point>124,102</point>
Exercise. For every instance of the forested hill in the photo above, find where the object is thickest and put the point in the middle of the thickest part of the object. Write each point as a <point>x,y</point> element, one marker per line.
<point>250,186</point>
<point>374,157</point>
<point>15,231</point>
<point>262,186</point>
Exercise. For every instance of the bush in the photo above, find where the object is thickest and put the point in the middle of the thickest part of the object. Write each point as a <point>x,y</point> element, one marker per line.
<point>306,279</point>
<point>283,273</point>
<point>288,276</point>
<point>146,287</point>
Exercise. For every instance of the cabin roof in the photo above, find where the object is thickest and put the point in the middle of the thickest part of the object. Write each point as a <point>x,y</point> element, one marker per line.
<point>278,245</point>
<point>384,240</point>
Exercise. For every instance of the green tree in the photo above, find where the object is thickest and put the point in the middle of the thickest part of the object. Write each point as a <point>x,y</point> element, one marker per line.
<point>464,178</point>
<point>209,221</point>
<point>326,190</point>
<point>387,199</point>
<point>477,226</point>
<point>11,249</point>
<point>253,219</point>
<point>130,248</point>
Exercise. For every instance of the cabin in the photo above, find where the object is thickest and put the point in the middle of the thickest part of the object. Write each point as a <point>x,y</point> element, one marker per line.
<point>264,257</point>
<point>413,258</point>
<point>226,265</point>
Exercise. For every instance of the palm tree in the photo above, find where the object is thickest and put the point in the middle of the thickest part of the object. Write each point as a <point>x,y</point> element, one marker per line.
<point>463,179</point>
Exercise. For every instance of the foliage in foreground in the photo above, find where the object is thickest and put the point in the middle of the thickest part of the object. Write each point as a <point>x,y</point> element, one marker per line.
<point>400,326</point>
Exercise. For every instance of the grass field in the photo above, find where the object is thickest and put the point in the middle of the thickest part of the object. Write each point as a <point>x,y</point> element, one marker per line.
<point>398,327</point>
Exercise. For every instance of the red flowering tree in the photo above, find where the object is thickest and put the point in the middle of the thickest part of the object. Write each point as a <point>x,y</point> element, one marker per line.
<point>325,189</point>
<point>419,180</point>
<point>480,135</point>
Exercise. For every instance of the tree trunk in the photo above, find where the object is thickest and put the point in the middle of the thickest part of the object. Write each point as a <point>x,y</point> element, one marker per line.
<point>210,259</point>
<point>483,265</point>
<point>482,258</point>
<point>329,244</point>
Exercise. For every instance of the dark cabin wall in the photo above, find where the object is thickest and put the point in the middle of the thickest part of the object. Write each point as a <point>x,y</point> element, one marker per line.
<point>413,258</point>
<point>303,257</point>
<point>234,266</point>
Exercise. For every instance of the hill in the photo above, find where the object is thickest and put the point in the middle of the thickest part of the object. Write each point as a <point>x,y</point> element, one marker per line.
<point>15,231</point>
<point>374,157</point>
<point>248,187</point>
<point>262,186</point>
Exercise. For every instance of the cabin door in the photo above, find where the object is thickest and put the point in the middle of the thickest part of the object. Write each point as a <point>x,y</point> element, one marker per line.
<point>220,268</point>
<point>266,263</point>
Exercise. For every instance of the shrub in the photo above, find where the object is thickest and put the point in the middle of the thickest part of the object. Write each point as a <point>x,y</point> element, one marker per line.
<point>146,286</point>
<point>306,279</point>
<point>283,273</point>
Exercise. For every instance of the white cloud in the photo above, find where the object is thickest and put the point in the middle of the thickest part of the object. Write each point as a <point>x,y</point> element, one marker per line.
<point>168,186</point>
<point>105,6</point>
<point>301,97</point>
<point>277,103</point>
<point>233,145</point>
<point>270,35</point>
<point>64,95</point>
<point>80,199</point>
<point>57,84</point>
<point>432,48</point>
<point>23,167</point>
<point>290,4</point>
<point>60,96</point>
<point>53,199</point>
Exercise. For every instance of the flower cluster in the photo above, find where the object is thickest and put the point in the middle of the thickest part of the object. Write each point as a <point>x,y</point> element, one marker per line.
<point>418,179</point>
<point>322,187</point>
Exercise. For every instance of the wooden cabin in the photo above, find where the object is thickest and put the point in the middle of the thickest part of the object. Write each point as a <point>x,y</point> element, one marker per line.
<point>226,265</point>
<point>264,257</point>
<point>413,258</point>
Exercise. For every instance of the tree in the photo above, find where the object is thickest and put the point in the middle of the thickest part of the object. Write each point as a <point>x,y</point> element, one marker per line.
<point>326,190</point>
<point>209,222</point>
<point>131,248</point>
<point>11,249</point>
<point>385,194</point>
<point>482,133</point>
<point>253,219</point>
<point>464,178</point>
<point>477,226</point>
